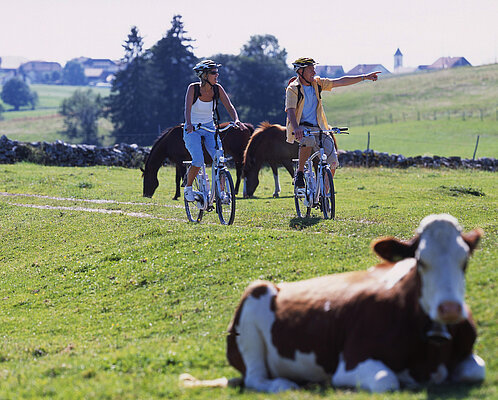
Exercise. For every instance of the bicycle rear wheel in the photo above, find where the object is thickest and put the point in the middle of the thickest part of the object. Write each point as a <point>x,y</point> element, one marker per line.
<point>327,196</point>
<point>194,213</point>
<point>225,199</point>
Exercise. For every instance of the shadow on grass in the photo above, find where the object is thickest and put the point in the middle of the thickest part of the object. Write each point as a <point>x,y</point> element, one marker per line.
<point>303,223</point>
<point>448,391</point>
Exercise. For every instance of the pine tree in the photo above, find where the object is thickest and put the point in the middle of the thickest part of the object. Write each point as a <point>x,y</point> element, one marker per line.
<point>130,101</point>
<point>172,61</point>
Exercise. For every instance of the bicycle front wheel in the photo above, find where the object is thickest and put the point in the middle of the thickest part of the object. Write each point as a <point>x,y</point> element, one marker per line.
<point>327,195</point>
<point>193,208</point>
<point>225,198</point>
<point>302,201</point>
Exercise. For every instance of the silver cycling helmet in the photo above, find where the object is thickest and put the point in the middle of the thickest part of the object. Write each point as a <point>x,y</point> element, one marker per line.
<point>205,65</point>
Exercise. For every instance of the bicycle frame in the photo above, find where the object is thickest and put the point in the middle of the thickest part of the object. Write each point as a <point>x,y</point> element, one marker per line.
<point>218,165</point>
<point>220,193</point>
<point>203,181</point>
<point>317,194</point>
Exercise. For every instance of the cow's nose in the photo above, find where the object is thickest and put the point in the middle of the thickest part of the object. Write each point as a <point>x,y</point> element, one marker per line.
<point>450,312</point>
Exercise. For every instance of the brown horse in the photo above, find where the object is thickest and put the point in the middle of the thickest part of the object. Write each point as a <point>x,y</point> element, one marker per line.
<point>268,145</point>
<point>170,145</point>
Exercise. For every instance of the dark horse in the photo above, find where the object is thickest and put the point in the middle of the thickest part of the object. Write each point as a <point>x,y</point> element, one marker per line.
<point>268,145</point>
<point>170,146</point>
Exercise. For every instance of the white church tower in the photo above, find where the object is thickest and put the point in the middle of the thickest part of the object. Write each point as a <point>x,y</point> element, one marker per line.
<point>398,60</point>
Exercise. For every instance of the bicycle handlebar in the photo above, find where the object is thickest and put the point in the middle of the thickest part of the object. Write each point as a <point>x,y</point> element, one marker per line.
<point>334,131</point>
<point>206,128</point>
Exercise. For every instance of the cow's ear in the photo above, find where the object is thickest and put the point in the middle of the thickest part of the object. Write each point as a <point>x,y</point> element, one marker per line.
<point>394,250</point>
<point>472,238</point>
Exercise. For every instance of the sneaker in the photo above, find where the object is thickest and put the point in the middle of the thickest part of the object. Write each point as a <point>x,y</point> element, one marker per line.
<point>299,181</point>
<point>188,193</point>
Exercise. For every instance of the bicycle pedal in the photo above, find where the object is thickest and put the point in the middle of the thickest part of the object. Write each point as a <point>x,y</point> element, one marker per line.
<point>301,192</point>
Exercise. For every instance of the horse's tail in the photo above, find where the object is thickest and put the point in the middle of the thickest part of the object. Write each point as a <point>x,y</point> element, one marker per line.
<point>254,142</point>
<point>188,381</point>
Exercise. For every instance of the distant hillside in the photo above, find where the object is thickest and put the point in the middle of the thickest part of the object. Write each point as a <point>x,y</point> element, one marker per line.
<point>431,95</point>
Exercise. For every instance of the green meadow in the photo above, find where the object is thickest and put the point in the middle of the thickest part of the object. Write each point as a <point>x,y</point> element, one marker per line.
<point>432,113</point>
<point>115,299</point>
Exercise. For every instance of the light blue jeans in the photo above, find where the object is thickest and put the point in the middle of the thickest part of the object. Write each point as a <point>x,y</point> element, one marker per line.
<point>193,144</point>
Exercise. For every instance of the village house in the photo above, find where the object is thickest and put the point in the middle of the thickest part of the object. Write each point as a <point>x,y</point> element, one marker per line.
<point>440,63</point>
<point>99,72</point>
<point>367,68</point>
<point>6,73</point>
<point>40,72</point>
<point>449,62</point>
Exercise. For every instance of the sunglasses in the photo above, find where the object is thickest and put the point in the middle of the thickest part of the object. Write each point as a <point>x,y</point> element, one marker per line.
<point>213,72</point>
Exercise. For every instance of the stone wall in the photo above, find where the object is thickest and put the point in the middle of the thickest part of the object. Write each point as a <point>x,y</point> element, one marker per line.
<point>133,156</point>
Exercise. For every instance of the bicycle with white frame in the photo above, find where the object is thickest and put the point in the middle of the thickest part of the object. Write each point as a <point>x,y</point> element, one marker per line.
<point>221,196</point>
<point>319,187</point>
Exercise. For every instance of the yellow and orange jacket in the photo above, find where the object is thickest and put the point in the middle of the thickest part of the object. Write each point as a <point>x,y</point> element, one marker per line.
<point>291,101</point>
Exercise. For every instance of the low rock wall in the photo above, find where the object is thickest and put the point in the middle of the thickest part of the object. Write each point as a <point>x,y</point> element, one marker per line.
<point>132,156</point>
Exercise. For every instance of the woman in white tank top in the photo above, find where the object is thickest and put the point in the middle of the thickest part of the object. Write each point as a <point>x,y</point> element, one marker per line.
<point>201,110</point>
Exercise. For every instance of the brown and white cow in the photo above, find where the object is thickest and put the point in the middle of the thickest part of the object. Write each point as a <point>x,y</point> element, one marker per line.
<point>369,329</point>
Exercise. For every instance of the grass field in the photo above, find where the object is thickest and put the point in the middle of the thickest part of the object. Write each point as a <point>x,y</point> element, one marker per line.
<point>44,123</point>
<point>114,300</point>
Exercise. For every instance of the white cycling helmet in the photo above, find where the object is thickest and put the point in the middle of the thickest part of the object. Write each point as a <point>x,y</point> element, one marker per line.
<point>205,65</point>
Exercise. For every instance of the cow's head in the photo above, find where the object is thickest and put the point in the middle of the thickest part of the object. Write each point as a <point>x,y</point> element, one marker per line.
<point>442,252</point>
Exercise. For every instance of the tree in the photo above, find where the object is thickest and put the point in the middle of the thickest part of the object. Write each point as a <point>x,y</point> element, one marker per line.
<point>33,99</point>
<point>130,103</point>
<point>261,59</point>
<point>73,74</point>
<point>172,61</point>
<point>262,46</point>
<point>81,112</point>
<point>16,93</point>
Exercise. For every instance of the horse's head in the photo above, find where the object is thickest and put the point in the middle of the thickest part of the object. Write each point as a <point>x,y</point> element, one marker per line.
<point>150,182</point>
<point>251,177</point>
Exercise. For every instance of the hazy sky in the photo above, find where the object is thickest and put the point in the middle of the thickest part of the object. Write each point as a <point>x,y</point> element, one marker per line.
<point>346,32</point>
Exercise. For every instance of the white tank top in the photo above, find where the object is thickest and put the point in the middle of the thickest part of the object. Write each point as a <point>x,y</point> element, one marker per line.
<point>201,112</point>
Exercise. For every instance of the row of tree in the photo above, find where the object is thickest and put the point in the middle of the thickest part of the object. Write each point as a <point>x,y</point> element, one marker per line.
<point>149,92</point>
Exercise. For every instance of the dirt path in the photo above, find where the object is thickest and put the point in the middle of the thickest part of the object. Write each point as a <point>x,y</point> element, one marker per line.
<point>96,201</point>
<point>93,210</point>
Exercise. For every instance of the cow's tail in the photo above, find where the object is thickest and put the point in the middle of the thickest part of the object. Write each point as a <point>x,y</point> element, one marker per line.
<point>188,381</point>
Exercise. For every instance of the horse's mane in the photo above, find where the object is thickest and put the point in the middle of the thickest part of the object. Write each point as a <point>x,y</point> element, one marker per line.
<point>256,139</point>
<point>154,147</point>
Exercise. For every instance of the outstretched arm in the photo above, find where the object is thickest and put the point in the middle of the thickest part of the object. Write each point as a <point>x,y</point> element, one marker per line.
<point>351,80</point>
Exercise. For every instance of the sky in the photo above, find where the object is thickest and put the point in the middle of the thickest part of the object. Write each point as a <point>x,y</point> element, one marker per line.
<point>332,32</point>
